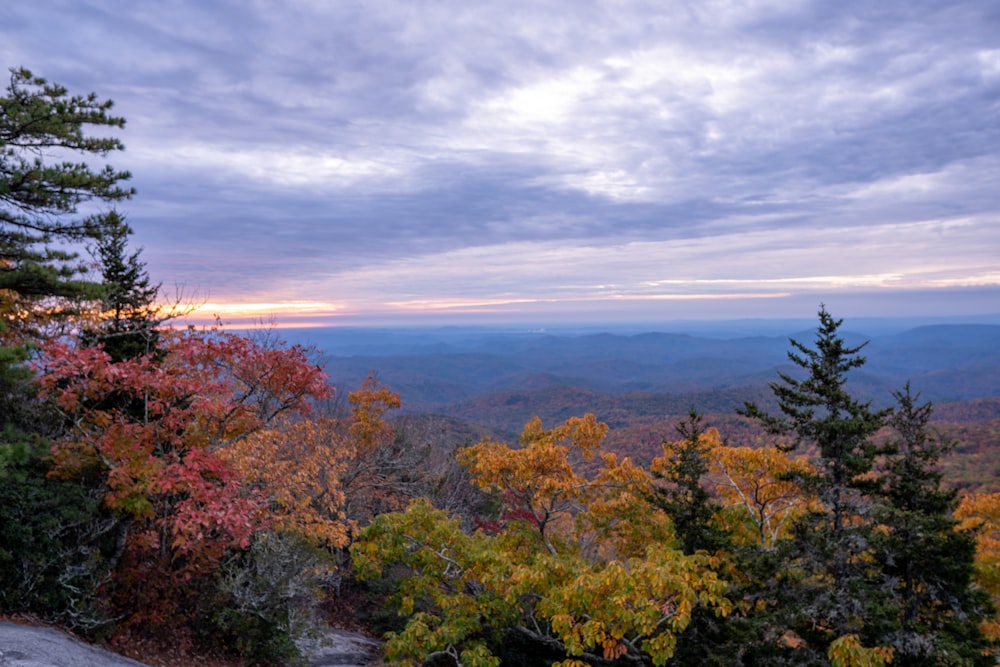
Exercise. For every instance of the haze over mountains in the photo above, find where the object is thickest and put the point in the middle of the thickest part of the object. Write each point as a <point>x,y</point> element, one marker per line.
<point>483,375</point>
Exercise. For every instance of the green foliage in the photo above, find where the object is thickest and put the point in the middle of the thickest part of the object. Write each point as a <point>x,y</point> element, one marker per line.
<point>875,572</point>
<point>56,542</point>
<point>129,315</point>
<point>827,572</point>
<point>926,563</point>
<point>685,498</point>
<point>819,410</point>
<point>39,200</point>
<point>21,411</point>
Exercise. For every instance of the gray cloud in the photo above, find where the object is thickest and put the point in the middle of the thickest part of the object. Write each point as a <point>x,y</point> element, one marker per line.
<point>327,151</point>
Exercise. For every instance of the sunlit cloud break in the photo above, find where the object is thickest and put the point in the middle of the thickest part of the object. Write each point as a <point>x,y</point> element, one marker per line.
<point>283,312</point>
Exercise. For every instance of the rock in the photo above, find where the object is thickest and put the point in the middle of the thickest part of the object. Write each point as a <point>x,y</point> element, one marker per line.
<point>27,646</point>
<point>338,648</point>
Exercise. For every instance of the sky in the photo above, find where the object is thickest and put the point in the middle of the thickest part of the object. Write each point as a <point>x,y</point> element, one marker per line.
<point>462,161</point>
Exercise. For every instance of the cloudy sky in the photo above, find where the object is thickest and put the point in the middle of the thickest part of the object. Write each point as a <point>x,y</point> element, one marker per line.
<point>391,162</point>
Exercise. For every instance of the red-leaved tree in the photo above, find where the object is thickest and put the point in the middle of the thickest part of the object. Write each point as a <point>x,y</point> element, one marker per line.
<point>150,429</point>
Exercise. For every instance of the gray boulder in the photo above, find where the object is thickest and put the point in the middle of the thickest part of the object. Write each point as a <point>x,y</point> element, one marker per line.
<point>339,648</point>
<point>27,646</point>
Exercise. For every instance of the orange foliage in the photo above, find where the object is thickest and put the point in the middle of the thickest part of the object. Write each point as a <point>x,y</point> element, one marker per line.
<point>980,513</point>
<point>324,477</point>
<point>546,483</point>
<point>380,474</point>
<point>297,466</point>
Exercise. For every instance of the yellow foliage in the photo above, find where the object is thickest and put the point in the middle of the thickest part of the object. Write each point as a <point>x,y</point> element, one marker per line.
<point>370,402</point>
<point>578,554</point>
<point>759,483</point>
<point>847,651</point>
<point>538,481</point>
<point>326,477</point>
<point>555,484</point>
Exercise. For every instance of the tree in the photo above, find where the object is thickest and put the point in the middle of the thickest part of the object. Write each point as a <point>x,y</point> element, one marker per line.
<point>820,411</point>
<point>927,563</point>
<point>297,465</point>
<point>681,491</point>
<point>979,515</point>
<point>576,563</point>
<point>684,467</point>
<point>272,598</point>
<point>56,541</point>
<point>54,545</point>
<point>382,470</point>
<point>326,477</point>
<point>128,318</point>
<point>828,591</point>
<point>758,490</point>
<point>39,280</point>
<point>39,200</point>
<point>159,465</point>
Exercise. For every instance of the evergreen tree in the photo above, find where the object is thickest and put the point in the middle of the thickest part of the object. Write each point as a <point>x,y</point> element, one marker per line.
<point>39,200</point>
<point>54,536</point>
<point>56,540</point>
<point>128,298</point>
<point>684,497</point>
<point>925,562</point>
<point>708,639</point>
<point>828,590</point>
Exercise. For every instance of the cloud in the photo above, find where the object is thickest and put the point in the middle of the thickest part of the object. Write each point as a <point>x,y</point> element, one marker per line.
<point>378,153</point>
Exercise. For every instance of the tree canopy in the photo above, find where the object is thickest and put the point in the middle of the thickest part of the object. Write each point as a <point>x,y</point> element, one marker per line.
<point>45,179</point>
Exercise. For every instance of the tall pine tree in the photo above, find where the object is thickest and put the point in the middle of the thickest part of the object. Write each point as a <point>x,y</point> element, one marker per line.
<point>828,589</point>
<point>877,572</point>
<point>54,536</point>
<point>40,275</point>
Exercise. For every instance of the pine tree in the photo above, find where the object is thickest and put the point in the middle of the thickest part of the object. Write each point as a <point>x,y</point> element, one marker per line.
<point>819,412</point>
<point>128,299</point>
<point>684,497</point>
<point>925,562</point>
<point>53,535</point>
<point>828,590</point>
<point>39,200</point>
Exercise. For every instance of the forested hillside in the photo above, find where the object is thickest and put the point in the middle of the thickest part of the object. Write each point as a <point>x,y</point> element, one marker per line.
<point>943,362</point>
<point>643,384</point>
<point>828,538</point>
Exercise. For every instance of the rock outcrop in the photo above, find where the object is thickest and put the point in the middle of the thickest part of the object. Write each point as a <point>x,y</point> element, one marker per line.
<point>28,646</point>
<point>341,649</point>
